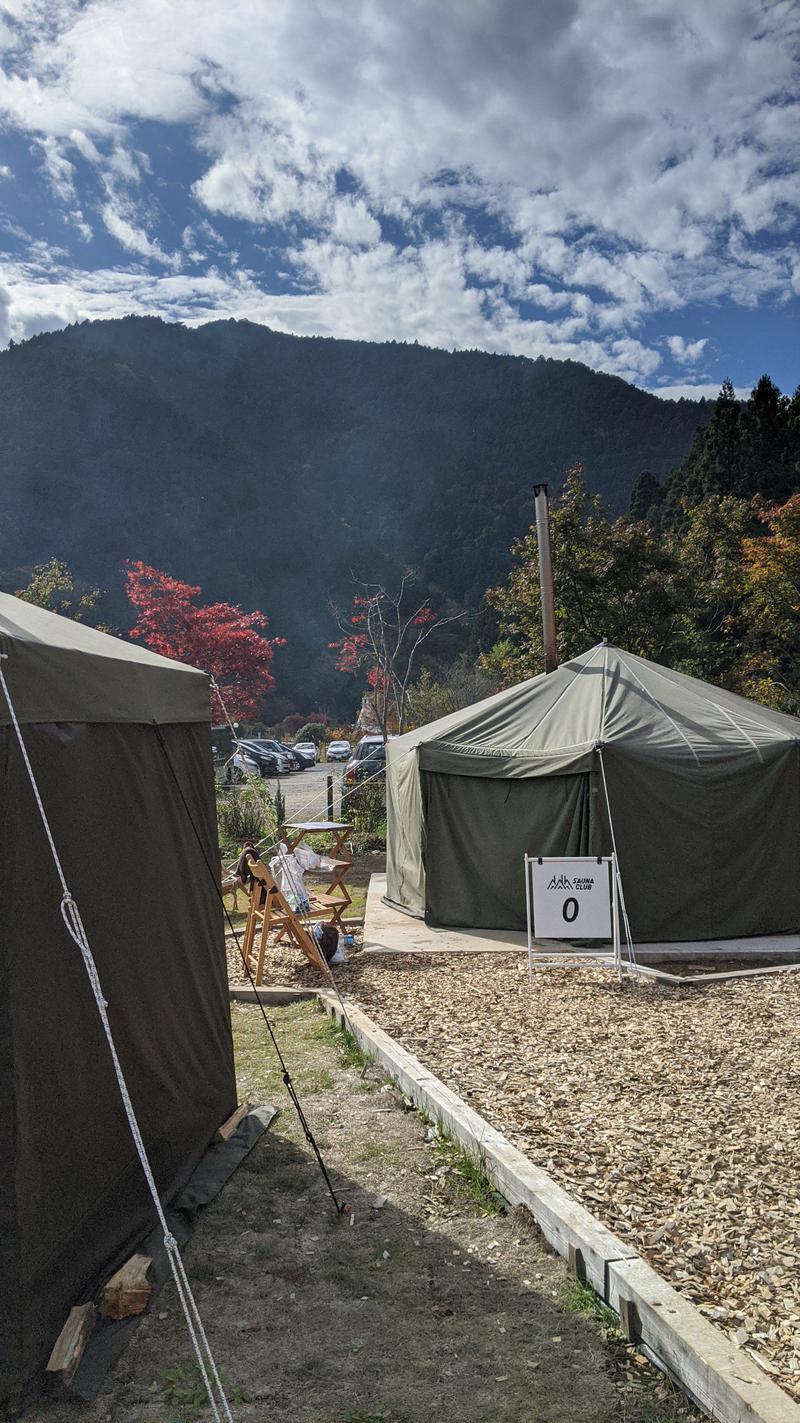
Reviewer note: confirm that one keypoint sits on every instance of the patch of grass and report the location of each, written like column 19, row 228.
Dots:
column 580, row 1298
column 360, row 1417
column 370, row 1151
column 187, row 1392
column 184, row 1391
column 345, row 1041
column 473, row 1174
column 316, row 1080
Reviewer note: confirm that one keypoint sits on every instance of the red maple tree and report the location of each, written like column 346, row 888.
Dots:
column 219, row 637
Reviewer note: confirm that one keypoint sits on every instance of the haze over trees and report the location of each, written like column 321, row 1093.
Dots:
column 268, row 468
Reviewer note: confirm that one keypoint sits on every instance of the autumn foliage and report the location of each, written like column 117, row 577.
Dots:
column 218, row 637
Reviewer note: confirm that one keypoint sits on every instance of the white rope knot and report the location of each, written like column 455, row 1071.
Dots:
column 170, row 1243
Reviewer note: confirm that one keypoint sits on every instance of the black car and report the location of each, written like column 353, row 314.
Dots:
column 368, row 759
column 264, row 757
column 306, row 762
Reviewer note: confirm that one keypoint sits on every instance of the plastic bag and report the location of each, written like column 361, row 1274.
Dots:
column 307, row 858
column 288, row 876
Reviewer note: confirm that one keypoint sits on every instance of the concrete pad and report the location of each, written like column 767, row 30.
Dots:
column 275, row 994
column 389, row 931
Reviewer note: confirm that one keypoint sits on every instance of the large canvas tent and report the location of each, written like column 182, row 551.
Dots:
column 73, row 1200
column 703, row 788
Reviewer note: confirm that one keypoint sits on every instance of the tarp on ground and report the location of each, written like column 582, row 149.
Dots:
column 109, row 756
column 703, row 788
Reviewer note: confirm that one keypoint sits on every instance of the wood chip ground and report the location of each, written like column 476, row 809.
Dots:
column 673, row 1114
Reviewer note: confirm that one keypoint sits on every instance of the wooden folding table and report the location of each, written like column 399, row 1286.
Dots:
column 337, row 833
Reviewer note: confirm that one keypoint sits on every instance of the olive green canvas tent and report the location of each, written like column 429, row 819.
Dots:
column 119, row 742
column 702, row 788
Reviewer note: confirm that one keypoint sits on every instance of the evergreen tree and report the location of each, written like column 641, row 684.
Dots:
column 745, row 450
column 713, row 463
column 647, row 498
column 765, row 456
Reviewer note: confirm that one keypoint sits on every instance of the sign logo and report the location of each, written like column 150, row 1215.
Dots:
column 571, row 898
column 561, row 883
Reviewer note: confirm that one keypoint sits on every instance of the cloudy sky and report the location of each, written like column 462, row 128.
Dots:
column 614, row 181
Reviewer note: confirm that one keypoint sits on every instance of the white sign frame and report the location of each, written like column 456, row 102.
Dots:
column 558, row 956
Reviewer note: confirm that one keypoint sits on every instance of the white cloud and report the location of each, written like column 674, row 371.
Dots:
column 686, row 353
column 630, row 159
column 709, row 391
column 118, row 220
column 354, row 224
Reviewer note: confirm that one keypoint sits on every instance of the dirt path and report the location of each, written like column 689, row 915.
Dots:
column 424, row 1304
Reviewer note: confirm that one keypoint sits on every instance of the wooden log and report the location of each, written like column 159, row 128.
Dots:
column 127, row 1292
column 71, row 1342
column 225, row 1132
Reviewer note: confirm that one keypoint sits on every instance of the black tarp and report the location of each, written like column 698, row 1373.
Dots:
column 73, row 1200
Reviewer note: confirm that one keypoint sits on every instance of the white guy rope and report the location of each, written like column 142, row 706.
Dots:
column 620, row 891
column 74, row 924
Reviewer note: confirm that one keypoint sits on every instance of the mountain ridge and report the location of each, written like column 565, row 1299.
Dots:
column 268, row 467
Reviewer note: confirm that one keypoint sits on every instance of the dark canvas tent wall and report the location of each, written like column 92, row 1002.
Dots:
column 704, row 790
column 72, row 1196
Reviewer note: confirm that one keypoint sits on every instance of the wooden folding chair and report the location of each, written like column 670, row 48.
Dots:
column 270, row 910
column 231, row 884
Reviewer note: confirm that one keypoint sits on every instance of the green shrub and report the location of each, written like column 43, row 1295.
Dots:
column 364, row 807
column 245, row 812
column 312, row 731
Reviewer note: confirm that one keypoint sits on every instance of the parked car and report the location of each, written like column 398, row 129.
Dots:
column 338, row 751
column 307, row 752
column 269, row 755
column 295, row 761
column 239, row 767
column 368, row 759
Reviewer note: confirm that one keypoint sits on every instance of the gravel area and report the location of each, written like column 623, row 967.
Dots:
column 673, row 1114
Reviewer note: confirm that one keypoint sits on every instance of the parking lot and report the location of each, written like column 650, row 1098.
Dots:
column 305, row 792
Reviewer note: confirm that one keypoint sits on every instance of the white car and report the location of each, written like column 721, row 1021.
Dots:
column 339, row 751
column 307, row 750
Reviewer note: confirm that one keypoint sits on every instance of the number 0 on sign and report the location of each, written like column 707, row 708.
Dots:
column 571, row 898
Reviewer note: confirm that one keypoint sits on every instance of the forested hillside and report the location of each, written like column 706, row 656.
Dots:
column 267, row 468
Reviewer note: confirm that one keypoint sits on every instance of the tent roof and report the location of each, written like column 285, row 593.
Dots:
column 554, row 722
column 59, row 670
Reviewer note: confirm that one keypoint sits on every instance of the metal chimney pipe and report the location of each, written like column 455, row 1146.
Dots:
column 546, row 583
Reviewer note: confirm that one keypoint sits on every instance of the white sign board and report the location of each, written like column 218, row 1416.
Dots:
column 571, row 898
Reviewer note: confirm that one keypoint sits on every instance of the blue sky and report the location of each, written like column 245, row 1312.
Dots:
column 615, row 183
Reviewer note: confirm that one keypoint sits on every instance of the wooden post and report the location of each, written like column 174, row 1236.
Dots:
column 629, row 1320
column 576, row 1262
column 330, row 798
column 546, row 585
